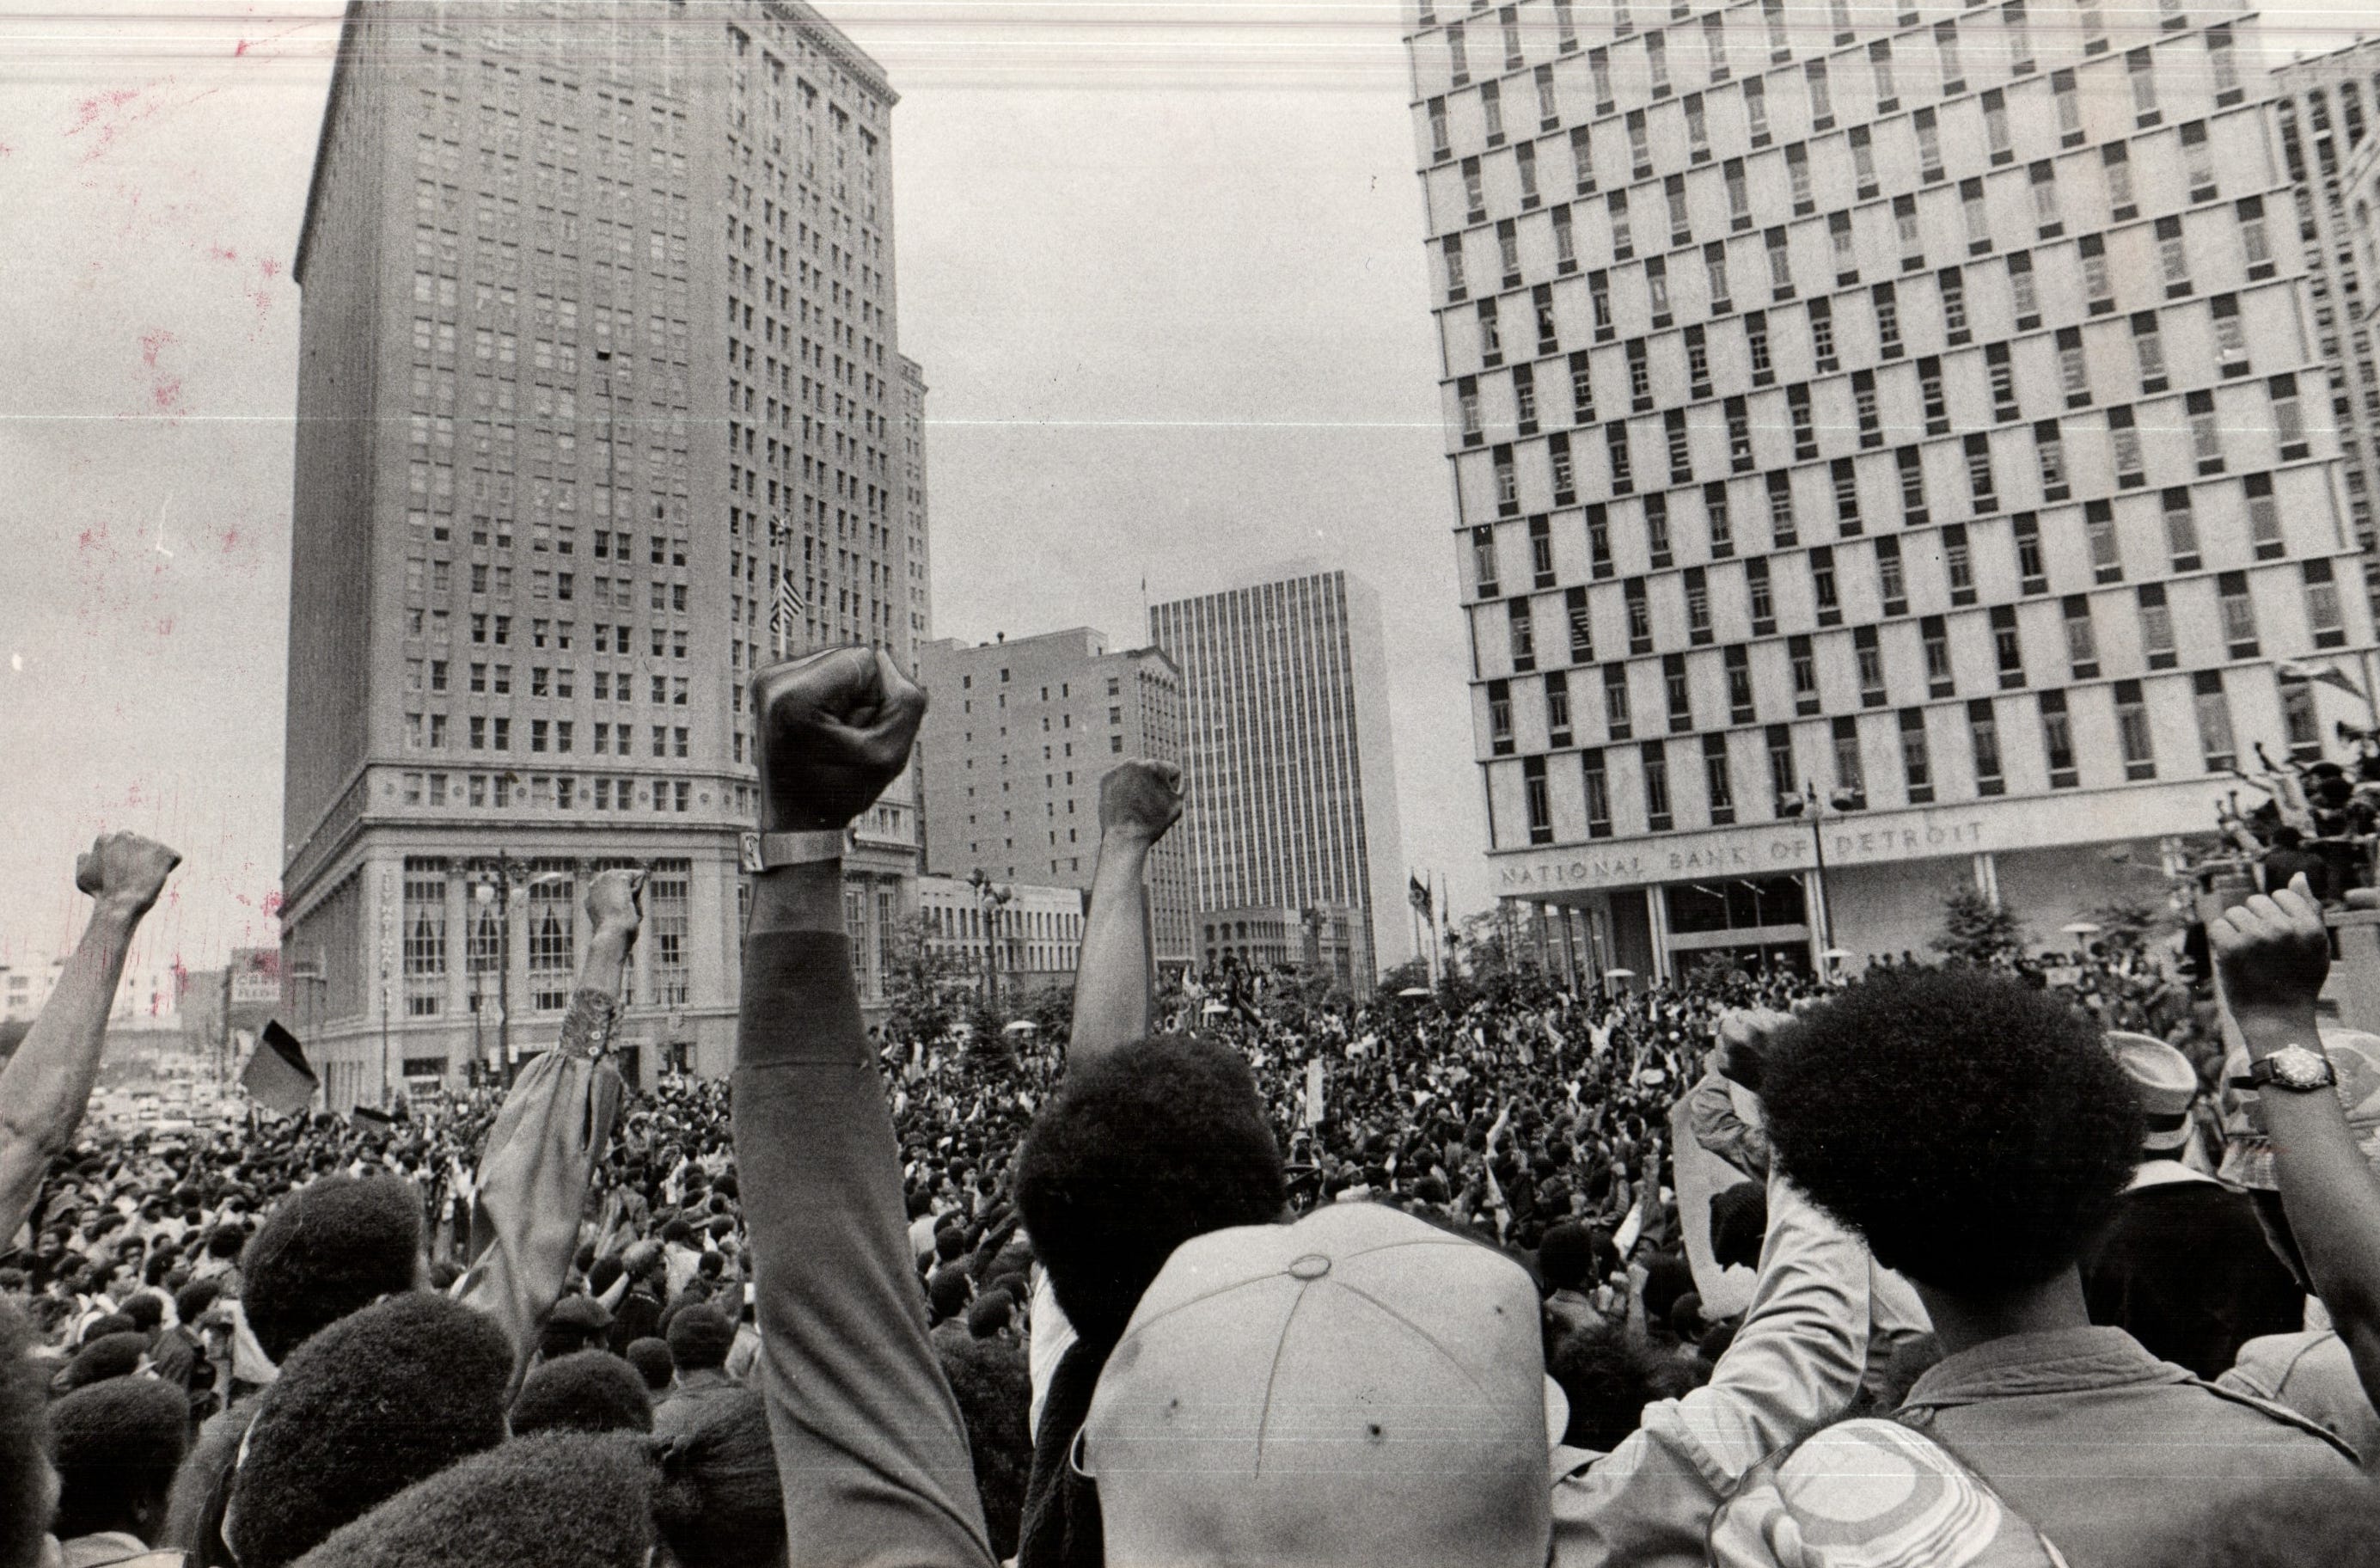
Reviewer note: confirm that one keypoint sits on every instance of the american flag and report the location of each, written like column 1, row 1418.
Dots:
column 789, row 607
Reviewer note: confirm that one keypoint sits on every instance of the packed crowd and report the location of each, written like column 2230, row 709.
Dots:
column 1397, row 1282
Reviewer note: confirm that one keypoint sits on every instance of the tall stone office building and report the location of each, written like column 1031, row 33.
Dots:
column 1291, row 816
column 601, row 406
column 1890, row 454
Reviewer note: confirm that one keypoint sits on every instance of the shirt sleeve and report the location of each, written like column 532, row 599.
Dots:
column 1053, row 1335
column 871, row 1450
column 1794, row 1363
column 533, row 1178
column 1717, row 1126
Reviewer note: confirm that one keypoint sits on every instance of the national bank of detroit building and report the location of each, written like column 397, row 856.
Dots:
column 1890, row 454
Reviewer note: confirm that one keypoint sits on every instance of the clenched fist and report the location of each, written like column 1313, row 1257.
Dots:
column 1140, row 799
column 2272, row 954
column 834, row 729
column 1745, row 1034
column 125, row 871
column 612, row 902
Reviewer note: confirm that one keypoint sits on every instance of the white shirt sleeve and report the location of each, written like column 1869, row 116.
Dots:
column 1053, row 1335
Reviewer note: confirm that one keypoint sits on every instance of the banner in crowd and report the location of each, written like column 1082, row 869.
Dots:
column 278, row 1076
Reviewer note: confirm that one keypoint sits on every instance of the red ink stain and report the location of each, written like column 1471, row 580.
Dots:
column 166, row 627
column 241, row 49
column 272, row 904
column 167, row 393
column 223, row 253
column 153, row 342
column 268, row 267
column 230, row 540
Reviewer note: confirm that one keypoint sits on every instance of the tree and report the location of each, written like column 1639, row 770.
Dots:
column 1414, row 973
column 919, row 980
column 1977, row 931
column 2127, row 927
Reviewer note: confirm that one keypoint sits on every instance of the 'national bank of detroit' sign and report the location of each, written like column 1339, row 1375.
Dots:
column 1862, row 838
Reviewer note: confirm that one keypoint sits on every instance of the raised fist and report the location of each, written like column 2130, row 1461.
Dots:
column 124, row 870
column 1743, row 1037
column 612, row 901
column 2272, row 954
column 834, row 729
column 1140, row 799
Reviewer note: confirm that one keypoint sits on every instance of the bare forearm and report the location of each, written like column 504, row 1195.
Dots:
column 2330, row 1195
column 48, row 1082
column 1114, row 983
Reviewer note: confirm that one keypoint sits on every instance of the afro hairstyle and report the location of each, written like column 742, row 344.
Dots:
column 1573, row 1257
column 720, row 1504
column 994, row 1388
column 1158, row 1141
column 1739, row 1224
column 334, row 1247
column 24, row 1442
column 1974, row 1130
column 593, row 1391
column 116, row 1445
column 108, row 1356
column 699, row 1337
column 376, row 1402
column 653, row 1362
column 1610, row 1376
column 558, row 1500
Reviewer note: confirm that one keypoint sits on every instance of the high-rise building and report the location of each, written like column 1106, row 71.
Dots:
column 1889, row 456
column 600, row 409
column 1289, row 762
column 2322, row 108
column 1015, row 745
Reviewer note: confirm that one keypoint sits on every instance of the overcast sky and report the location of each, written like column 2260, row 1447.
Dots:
column 1162, row 265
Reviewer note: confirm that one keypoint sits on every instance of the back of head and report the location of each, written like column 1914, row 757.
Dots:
column 1358, row 1387
column 1159, row 1141
column 651, row 1359
column 990, row 1314
column 1739, row 1224
column 116, row 1445
column 593, row 1391
column 193, row 1299
column 558, row 1500
column 111, row 1355
column 24, row 1443
column 1566, row 1257
column 1972, row 1129
column 948, row 1292
column 324, row 1449
column 699, row 1338
column 1609, row 1375
column 720, row 1504
column 146, row 1311
column 334, row 1247
column 994, row 1390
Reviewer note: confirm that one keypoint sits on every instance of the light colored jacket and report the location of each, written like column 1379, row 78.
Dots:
column 2312, row 1374
column 2101, row 1446
column 1795, row 1362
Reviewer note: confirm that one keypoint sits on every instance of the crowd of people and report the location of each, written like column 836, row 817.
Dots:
column 1671, row 1275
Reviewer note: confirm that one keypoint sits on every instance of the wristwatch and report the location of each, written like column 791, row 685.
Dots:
column 2295, row 1068
column 766, row 852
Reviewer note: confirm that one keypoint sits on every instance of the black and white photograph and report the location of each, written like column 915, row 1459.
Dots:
column 1153, row 784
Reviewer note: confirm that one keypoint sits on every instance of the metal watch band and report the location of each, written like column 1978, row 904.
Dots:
column 766, row 852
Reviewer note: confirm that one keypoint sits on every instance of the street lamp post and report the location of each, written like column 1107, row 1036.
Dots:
column 1808, row 806
column 990, row 898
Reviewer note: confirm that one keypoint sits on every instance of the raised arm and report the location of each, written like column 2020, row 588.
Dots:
column 1115, row 983
column 48, row 1082
column 540, row 1154
column 2271, row 955
column 871, row 1452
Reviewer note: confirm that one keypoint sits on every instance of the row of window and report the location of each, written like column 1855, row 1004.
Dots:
column 2119, row 444
column 1948, row 567
column 1646, row 782
column 1991, row 650
column 560, row 792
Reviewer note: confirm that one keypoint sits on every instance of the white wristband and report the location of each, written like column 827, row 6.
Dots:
column 766, row 852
